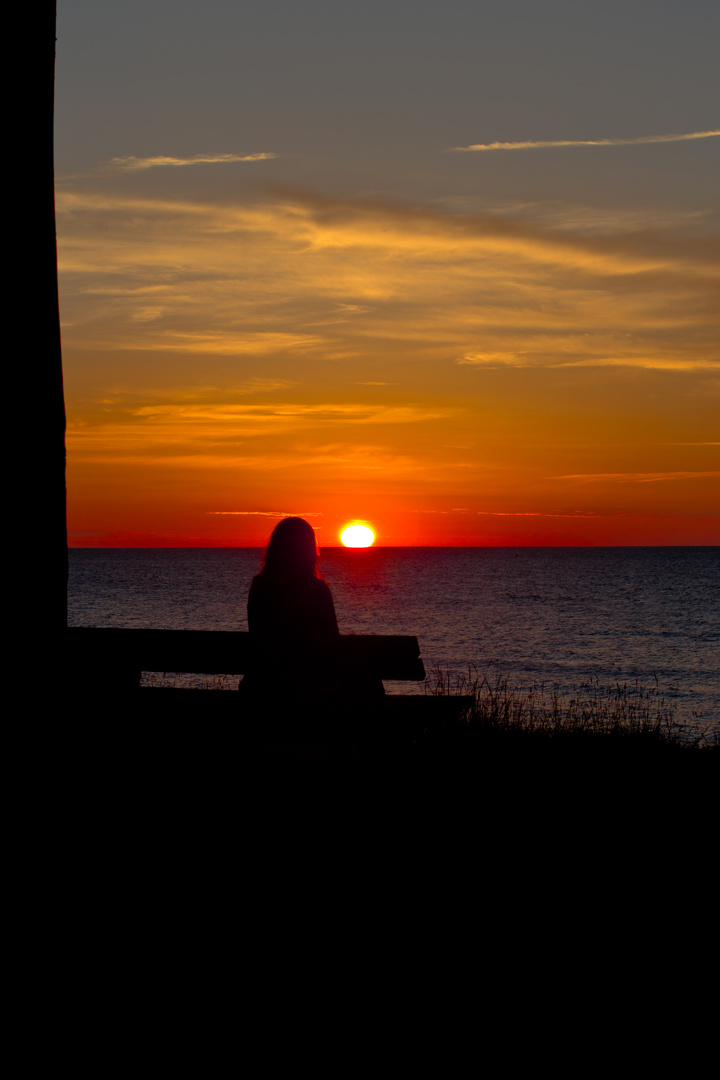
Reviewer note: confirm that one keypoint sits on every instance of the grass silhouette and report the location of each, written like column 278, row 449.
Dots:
column 614, row 720
column 622, row 715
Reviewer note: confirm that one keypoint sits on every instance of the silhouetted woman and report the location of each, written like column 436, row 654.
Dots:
column 293, row 628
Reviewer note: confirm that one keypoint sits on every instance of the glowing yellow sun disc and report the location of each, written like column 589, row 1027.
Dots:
column 357, row 536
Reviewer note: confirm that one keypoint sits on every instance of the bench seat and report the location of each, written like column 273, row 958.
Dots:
column 104, row 662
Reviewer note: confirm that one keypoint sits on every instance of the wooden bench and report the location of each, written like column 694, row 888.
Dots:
column 105, row 664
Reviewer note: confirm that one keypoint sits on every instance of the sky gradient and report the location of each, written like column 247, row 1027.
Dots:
column 448, row 269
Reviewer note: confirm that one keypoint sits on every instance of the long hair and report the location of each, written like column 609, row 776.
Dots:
column 292, row 551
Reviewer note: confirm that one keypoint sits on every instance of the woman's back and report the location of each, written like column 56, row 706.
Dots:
column 293, row 612
column 292, row 622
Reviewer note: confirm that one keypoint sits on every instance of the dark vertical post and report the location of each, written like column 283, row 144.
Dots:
column 45, row 494
column 57, row 612
column 34, row 571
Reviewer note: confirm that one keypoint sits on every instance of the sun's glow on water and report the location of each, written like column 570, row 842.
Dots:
column 357, row 536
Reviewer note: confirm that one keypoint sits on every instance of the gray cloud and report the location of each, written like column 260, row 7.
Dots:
column 544, row 144
column 130, row 164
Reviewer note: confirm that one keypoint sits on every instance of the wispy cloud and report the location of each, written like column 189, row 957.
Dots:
column 266, row 513
column 676, row 363
column 131, row 164
column 633, row 478
column 261, row 281
column 530, row 144
column 217, row 435
column 540, row 513
column 346, row 413
column 203, row 345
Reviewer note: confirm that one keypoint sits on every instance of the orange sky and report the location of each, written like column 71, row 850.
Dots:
column 468, row 357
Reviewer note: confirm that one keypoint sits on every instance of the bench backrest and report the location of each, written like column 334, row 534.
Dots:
column 100, row 651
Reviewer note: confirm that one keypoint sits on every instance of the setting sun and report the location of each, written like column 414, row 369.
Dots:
column 357, row 536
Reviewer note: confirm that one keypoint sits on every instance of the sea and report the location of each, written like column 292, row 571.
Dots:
column 556, row 617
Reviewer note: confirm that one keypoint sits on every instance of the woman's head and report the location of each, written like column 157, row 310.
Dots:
column 292, row 550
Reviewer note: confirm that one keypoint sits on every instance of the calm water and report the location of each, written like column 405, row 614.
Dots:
column 558, row 615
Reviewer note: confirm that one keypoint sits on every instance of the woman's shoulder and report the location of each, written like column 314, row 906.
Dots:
column 306, row 586
column 258, row 593
column 322, row 600
column 321, row 593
